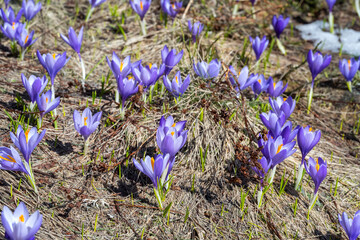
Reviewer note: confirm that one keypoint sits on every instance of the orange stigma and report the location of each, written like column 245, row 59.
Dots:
column 173, row 125
column 259, row 81
column 9, row 159
column 26, row 39
column 27, row 135
column 349, row 63
column 13, row 26
column 150, row 65
column 21, row 218
column 317, row 165
column 130, row 77
column 310, row 129
column 284, row 99
column 274, row 84
column 152, row 163
column 54, row 56
column 173, row 6
column 141, row 6
column 279, row 148
column 85, row 123
column 46, row 100
column 172, row 133
column 121, row 66
column 176, row 79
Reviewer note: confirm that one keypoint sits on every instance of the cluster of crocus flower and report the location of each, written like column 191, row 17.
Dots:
column 207, row 71
column 20, row 225
column 348, row 69
column 279, row 24
column 170, row 138
column 317, row 63
column 86, row 124
column 16, row 31
column 279, row 143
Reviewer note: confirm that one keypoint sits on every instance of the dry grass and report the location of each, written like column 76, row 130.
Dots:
column 76, row 189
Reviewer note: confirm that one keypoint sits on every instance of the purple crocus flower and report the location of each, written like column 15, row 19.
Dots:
column 171, row 9
column 46, row 104
column 27, row 141
column 147, row 76
column 52, row 63
column 126, row 87
column 266, row 165
column 121, row 67
column 307, row 139
column 10, row 160
column 276, row 89
column 273, row 122
column 317, row 63
column 154, row 167
column 195, row 29
column 95, row 3
column 253, row 2
column 279, row 24
column 177, row 87
column 9, row 15
column 140, row 7
column 317, row 171
column 288, row 133
column 351, row 226
column 277, row 151
column 207, row 70
column 86, row 123
column 348, row 68
column 171, row 139
column 23, row 38
column 74, row 41
column 10, row 30
column 261, row 85
column 259, row 46
column 242, row 80
column 331, row 4
column 6, row 3
column 30, row 9
column 170, row 58
column 283, row 105
column 19, row 225
column 34, row 85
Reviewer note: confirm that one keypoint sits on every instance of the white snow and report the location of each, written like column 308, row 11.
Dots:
column 318, row 31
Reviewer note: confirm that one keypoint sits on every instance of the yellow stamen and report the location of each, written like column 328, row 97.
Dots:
column 279, row 148
column 176, row 79
column 46, row 100
column 173, row 125
column 274, row 85
column 284, row 99
column 121, row 66
column 21, row 218
column 310, row 129
column 173, row 6
column 26, row 39
column 152, row 163
column 317, row 165
column 172, row 133
column 9, row 159
column 349, row 63
column 85, row 123
column 54, row 56
column 13, row 26
column 27, row 135
column 150, row 65
column 130, row 77
column 259, row 80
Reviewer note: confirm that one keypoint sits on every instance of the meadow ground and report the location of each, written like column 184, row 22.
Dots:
column 103, row 196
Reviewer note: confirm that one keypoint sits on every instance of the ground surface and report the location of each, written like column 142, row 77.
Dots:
column 105, row 189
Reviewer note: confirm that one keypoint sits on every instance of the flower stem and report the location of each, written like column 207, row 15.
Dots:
column 349, row 86
column 235, row 9
column 89, row 14
column 86, row 146
column 357, row 6
column 39, row 123
column 259, row 197
column 158, row 198
column 143, row 27
column 299, row 175
column 312, row 204
column 281, row 46
column 83, row 74
column 117, row 96
column 310, row 96
column 253, row 12
column 271, row 175
column 22, row 55
column 331, row 22
column 52, row 98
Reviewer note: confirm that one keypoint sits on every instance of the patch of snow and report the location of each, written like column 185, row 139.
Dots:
column 318, row 31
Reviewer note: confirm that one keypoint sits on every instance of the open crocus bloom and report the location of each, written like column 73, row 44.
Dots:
column 351, row 226
column 277, row 151
column 317, row 63
column 10, row 30
column 261, row 85
column 317, row 169
column 9, row 15
column 86, row 123
column 307, row 139
column 242, row 80
column 52, row 63
column 283, row 105
column 154, row 167
column 34, row 85
column 276, row 89
column 273, row 122
column 30, row 9
column 170, row 58
column 207, row 70
column 10, row 160
column 176, row 87
column 140, row 7
column 19, row 225
column 26, row 141
column 46, row 104
column 23, row 38
column 171, row 9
